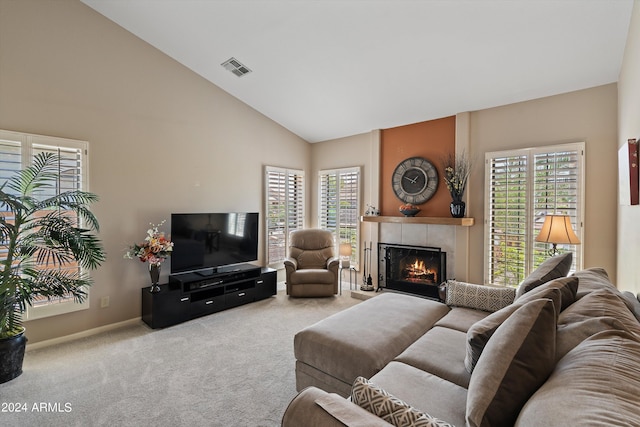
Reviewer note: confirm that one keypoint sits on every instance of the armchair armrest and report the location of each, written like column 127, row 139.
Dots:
column 333, row 263
column 290, row 264
column 313, row 407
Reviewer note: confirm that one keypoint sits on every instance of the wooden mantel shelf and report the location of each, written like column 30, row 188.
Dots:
column 465, row 222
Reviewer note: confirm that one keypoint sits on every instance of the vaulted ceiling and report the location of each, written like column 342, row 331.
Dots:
column 326, row 69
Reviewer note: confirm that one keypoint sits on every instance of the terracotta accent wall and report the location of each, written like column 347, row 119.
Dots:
column 433, row 140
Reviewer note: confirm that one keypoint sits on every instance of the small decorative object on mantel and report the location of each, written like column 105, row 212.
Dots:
column 372, row 211
column 456, row 172
column 154, row 250
column 409, row 210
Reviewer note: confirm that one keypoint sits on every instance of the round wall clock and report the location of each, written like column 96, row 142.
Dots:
column 415, row 180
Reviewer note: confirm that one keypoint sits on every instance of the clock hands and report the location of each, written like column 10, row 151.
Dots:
column 413, row 181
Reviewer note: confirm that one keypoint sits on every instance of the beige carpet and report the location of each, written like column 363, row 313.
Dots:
column 233, row 368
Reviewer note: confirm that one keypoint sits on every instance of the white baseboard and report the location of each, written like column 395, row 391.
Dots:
column 83, row 334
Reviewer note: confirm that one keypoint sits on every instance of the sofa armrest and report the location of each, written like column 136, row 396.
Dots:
column 313, row 407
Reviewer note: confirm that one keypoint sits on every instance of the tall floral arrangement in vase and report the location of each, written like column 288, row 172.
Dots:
column 456, row 173
column 155, row 248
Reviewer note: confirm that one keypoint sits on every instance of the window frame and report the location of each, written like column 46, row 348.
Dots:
column 27, row 142
column 299, row 212
column 323, row 221
column 533, row 251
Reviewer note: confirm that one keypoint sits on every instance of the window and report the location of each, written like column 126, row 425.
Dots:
column 16, row 152
column 523, row 186
column 339, row 206
column 284, row 211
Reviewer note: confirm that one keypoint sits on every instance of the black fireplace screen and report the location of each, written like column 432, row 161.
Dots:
column 415, row 269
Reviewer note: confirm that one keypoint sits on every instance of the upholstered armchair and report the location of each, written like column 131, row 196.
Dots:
column 311, row 268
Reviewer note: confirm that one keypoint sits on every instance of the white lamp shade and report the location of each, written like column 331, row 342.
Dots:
column 557, row 229
column 345, row 250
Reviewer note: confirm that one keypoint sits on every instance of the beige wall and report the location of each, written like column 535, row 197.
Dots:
column 162, row 139
column 588, row 115
column 358, row 150
column 629, row 126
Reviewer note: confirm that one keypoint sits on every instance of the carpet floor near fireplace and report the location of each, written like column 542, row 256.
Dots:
column 233, row 368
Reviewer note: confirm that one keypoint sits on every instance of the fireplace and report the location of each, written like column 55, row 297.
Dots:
column 414, row 269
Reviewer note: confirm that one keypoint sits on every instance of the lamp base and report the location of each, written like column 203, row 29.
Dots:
column 554, row 250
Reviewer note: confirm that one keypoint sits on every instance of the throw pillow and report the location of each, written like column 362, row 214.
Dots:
column 479, row 297
column 369, row 396
column 565, row 287
column 514, row 364
column 479, row 333
column 554, row 267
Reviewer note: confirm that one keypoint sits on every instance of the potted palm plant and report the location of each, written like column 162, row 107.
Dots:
column 40, row 232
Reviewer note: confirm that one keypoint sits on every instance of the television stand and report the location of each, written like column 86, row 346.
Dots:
column 191, row 295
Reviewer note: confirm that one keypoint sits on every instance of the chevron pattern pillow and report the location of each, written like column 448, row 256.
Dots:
column 479, row 297
column 369, row 396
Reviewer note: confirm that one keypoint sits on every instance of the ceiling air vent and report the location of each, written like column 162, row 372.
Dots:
column 233, row 65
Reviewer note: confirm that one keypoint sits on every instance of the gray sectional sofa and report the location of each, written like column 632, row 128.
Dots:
column 558, row 351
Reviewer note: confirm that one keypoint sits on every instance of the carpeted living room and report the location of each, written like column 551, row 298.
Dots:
column 200, row 136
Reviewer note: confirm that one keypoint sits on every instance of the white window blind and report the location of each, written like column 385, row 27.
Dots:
column 17, row 151
column 339, row 206
column 285, row 210
column 522, row 186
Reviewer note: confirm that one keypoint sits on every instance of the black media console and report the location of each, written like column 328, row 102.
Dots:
column 192, row 295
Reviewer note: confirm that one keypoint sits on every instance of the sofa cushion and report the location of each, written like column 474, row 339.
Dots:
column 514, row 364
column 592, row 279
column 567, row 287
column 552, row 268
column 461, row 318
column 424, row 391
column 570, row 334
column 393, row 322
column 441, row 352
column 596, row 383
column 369, row 396
column 633, row 303
column 602, row 303
column 479, row 297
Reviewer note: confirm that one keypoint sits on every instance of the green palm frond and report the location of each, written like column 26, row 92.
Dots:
column 38, row 231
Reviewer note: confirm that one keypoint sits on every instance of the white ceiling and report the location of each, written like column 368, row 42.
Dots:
column 326, row 69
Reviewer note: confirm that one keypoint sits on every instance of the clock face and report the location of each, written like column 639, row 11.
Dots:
column 415, row 180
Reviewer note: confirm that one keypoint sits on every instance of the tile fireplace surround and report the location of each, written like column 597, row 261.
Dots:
column 439, row 236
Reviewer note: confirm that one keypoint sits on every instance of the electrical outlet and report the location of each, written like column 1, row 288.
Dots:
column 104, row 302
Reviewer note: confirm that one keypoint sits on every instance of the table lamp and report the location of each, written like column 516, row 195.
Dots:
column 345, row 255
column 556, row 230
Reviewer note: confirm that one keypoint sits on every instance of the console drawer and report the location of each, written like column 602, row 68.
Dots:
column 206, row 306
column 236, row 298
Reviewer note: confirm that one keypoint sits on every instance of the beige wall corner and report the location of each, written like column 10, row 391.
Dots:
column 628, row 232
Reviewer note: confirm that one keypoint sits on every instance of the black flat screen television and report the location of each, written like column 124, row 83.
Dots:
column 205, row 241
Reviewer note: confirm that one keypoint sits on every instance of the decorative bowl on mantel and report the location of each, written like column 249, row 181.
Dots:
column 409, row 210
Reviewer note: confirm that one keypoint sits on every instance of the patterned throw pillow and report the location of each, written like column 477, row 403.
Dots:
column 388, row 407
column 479, row 297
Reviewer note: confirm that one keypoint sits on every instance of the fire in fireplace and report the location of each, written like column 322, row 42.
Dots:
column 414, row 269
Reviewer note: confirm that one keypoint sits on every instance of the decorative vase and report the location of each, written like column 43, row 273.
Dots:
column 457, row 208
column 11, row 356
column 154, row 272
